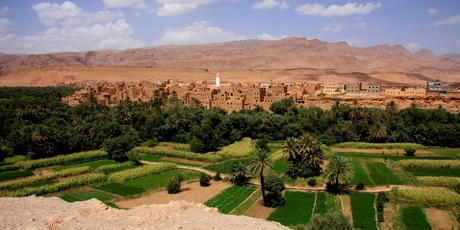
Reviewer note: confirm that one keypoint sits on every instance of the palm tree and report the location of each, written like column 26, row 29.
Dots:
column 239, row 174
column 261, row 164
column 290, row 148
column 378, row 131
column 391, row 109
column 91, row 99
column 339, row 169
column 336, row 110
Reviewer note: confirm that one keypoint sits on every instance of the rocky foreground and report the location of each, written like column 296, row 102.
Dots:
column 54, row 213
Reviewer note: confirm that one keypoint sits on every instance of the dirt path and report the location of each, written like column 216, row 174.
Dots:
column 191, row 192
column 346, row 207
column 258, row 210
column 440, row 219
column 389, row 214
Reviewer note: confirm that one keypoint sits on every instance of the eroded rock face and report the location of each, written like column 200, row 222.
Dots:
column 54, row 213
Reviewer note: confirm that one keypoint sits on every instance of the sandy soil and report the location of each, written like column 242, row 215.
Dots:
column 389, row 214
column 389, row 152
column 258, row 210
column 346, row 207
column 191, row 192
column 440, row 219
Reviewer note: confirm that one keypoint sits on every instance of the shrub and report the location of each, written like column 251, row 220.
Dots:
column 359, row 186
column 380, row 204
column 274, row 183
column 197, row 146
column 173, row 186
column 204, row 179
column 330, row 220
column 13, row 160
column 217, row 177
column 118, row 147
column 410, row 151
column 150, row 143
column 456, row 189
column 274, row 200
column 311, row 182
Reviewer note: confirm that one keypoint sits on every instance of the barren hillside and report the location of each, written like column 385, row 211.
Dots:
column 291, row 59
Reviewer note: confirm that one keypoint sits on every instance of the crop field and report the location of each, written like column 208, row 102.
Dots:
column 427, row 195
column 152, row 158
column 91, row 164
column 120, row 189
column 381, row 174
column 297, row 210
column 158, row 181
column 175, row 146
column 281, row 167
column 10, row 175
column 433, row 172
column 362, row 206
column 228, row 199
column 366, row 145
column 244, row 207
column 414, row 218
column 431, row 181
column 226, row 166
column 320, row 204
column 86, row 195
column 360, row 175
column 239, row 149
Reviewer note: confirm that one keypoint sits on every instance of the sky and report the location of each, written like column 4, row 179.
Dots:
column 36, row 27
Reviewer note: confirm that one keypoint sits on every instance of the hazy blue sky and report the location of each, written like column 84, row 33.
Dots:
column 31, row 26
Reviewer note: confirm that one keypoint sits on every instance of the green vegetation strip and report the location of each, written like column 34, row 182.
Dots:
column 178, row 154
column 86, row 195
column 281, row 166
column 158, row 181
column 176, row 146
column 244, row 207
column 359, row 174
column 387, row 174
column 362, row 206
column 142, row 171
column 32, row 180
column 297, row 210
column 449, row 182
column 365, row 145
column 414, row 218
column 433, row 164
column 433, row 172
column 61, row 159
column 228, row 199
column 9, row 175
column 239, row 149
column 427, row 195
column 277, row 156
column 320, row 205
column 91, row 164
column 120, row 189
column 63, row 185
column 110, row 168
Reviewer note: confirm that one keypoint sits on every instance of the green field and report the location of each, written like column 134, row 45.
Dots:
column 120, row 189
column 244, row 207
column 374, row 173
column 433, row 172
column 91, row 164
column 360, row 175
column 226, row 166
column 153, row 158
column 158, row 181
column 10, row 175
column 362, row 206
column 414, row 218
column 228, row 199
column 86, row 195
column 297, row 210
column 320, row 204
column 281, row 167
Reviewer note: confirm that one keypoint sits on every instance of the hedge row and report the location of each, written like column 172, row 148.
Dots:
column 104, row 168
column 365, row 145
column 61, row 159
column 178, row 154
column 63, row 185
column 432, row 164
column 142, row 171
column 428, row 195
column 439, row 181
column 32, row 180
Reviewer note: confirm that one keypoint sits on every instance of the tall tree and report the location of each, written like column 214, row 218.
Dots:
column 339, row 169
column 378, row 132
column 91, row 99
column 391, row 108
column 261, row 164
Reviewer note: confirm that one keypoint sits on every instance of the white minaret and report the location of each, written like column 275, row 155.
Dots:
column 217, row 80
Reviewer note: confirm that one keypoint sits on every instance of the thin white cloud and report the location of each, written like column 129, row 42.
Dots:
column 265, row 5
column 178, row 7
column 197, row 33
column 4, row 10
column 70, row 14
column 266, row 36
column 125, row 3
column 171, row 9
column 334, row 28
column 413, row 46
column 284, row 5
column 109, row 36
column 361, row 24
column 4, row 24
column 433, row 11
column 337, row 10
column 448, row 21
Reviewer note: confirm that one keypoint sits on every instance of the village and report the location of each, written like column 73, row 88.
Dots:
column 232, row 96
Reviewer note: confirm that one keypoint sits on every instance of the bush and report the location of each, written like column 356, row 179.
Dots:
column 410, row 151
column 118, row 147
column 204, row 179
column 311, row 182
column 274, row 183
column 13, row 160
column 197, row 146
column 274, row 200
column 330, row 220
column 150, row 143
column 359, row 186
column 173, row 186
column 217, row 177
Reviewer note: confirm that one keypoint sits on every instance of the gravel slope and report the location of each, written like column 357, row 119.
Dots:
column 54, row 213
